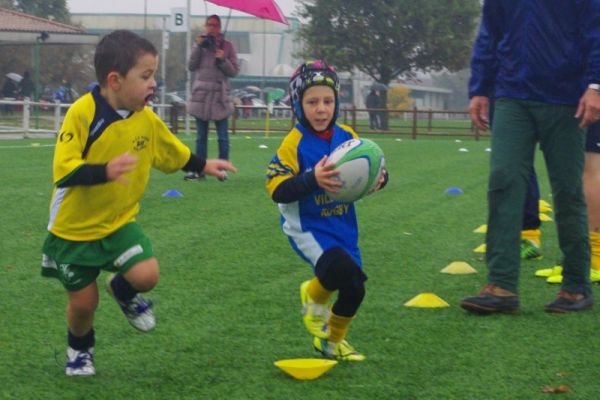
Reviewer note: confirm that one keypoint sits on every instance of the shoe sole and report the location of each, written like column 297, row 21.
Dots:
column 81, row 374
column 329, row 357
column 557, row 310
column 477, row 309
column 563, row 311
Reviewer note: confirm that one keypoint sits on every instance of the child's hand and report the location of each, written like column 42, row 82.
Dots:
column 219, row 168
column 119, row 166
column 381, row 182
column 325, row 174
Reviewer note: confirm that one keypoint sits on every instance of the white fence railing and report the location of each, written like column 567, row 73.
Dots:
column 27, row 118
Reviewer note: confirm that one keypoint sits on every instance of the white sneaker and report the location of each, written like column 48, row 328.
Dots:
column 80, row 363
column 138, row 311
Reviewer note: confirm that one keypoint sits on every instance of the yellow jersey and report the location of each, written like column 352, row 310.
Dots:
column 94, row 133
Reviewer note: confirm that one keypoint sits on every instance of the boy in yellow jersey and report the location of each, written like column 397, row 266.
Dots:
column 107, row 145
column 297, row 178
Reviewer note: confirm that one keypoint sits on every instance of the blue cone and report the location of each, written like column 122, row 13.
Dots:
column 172, row 193
column 454, row 190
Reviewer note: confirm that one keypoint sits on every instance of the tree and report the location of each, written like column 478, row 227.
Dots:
column 399, row 98
column 387, row 39
column 55, row 10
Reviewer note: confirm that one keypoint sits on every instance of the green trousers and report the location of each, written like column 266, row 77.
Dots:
column 517, row 128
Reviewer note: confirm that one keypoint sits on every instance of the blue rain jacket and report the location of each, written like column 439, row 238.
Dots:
column 544, row 50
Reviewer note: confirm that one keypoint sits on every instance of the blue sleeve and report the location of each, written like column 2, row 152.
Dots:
column 590, row 13
column 483, row 61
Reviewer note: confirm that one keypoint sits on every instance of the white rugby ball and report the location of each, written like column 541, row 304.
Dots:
column 359, row 162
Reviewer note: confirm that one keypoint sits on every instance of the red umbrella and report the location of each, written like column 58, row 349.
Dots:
column 265, row 9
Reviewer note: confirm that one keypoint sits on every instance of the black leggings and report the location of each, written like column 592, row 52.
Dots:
column 336, row 270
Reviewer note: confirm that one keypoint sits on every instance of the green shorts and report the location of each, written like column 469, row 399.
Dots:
column 77, row 264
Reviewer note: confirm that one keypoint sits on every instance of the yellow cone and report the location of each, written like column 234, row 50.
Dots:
column 458, row 268
column 426, row 300
column 544, row 217
column 480, row 248
column 481, row 229
column 544, row 203
column 305, row 368
column 544, row 209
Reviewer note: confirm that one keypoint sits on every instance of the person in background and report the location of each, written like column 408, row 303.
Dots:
column 538, row 98
column 591, row 185
column 373, row 102
column 213, row 61
column 26, row 86
column 9, row 90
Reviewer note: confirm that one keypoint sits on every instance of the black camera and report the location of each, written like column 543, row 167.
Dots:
column 209, row 42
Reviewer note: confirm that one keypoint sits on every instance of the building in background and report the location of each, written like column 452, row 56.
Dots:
column 265, row 50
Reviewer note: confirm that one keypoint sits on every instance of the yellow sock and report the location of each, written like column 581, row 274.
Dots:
column 595, row 250
column 317, row 292
column 338, row 326
column 535, row 235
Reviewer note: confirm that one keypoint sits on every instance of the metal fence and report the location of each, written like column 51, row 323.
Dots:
column 25, row 119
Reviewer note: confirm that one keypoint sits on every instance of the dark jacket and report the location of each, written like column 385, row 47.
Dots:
column 26, row 87
column 373, row 101
column 544, row 50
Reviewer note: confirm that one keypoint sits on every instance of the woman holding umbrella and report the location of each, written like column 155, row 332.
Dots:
column 214, row 61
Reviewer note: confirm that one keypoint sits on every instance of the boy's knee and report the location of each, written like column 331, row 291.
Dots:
column 349, row 300
column 146, row 283
column 336, row 269
column 144, row 275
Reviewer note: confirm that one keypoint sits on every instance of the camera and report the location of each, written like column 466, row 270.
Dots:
column 209, row 42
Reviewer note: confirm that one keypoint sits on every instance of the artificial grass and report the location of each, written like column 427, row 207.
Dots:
column 227, row 304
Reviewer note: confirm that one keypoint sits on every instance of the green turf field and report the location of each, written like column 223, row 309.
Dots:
column 227, row 305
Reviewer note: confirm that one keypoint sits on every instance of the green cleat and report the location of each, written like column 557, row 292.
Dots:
column 557, row 278
column 530, row 250
column 341, row 351
column 547, row 272
column 314, row 315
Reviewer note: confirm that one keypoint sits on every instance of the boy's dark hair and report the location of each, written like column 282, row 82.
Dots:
column 119, row 51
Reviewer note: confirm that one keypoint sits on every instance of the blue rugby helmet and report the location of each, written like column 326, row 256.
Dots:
column 313, row 73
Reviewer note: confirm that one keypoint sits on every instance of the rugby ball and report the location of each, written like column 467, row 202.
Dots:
column 359, row 162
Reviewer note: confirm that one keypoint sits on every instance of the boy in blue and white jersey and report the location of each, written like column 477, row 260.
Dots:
column 322, row 231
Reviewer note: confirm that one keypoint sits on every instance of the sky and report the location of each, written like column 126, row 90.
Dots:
column 158, row 6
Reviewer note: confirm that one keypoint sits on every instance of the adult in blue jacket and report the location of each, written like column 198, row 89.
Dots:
column 540, row 60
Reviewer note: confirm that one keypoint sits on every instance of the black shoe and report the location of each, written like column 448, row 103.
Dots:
column 567, row 302
column 491, row 299
column 192, row 176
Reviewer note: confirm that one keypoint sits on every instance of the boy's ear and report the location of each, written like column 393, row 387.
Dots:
column 113, row 80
